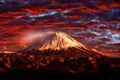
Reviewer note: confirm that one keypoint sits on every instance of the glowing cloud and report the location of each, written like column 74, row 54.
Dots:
column 31, row 37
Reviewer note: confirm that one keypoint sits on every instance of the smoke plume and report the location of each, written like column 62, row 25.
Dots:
column 31, row 37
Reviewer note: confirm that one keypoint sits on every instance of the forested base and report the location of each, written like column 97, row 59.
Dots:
column 72, row 64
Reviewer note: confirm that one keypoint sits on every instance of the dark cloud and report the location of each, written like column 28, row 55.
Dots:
column 14, row 5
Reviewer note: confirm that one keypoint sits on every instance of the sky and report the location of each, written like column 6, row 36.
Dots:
column 94, row 23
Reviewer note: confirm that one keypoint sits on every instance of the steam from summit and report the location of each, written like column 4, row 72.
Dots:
column 56, row 41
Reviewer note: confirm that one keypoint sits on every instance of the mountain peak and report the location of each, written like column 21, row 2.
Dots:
column 56, row 41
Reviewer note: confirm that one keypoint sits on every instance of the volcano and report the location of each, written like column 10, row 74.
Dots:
column 58, row 52
column 56, row 41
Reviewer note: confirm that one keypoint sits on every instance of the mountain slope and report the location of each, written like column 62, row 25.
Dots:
column 56, row 41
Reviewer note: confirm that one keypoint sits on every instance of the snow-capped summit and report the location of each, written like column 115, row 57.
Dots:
column 56, row 41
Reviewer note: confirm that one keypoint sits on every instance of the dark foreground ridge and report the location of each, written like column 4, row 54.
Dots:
column 70, row 64
column 57, row 75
